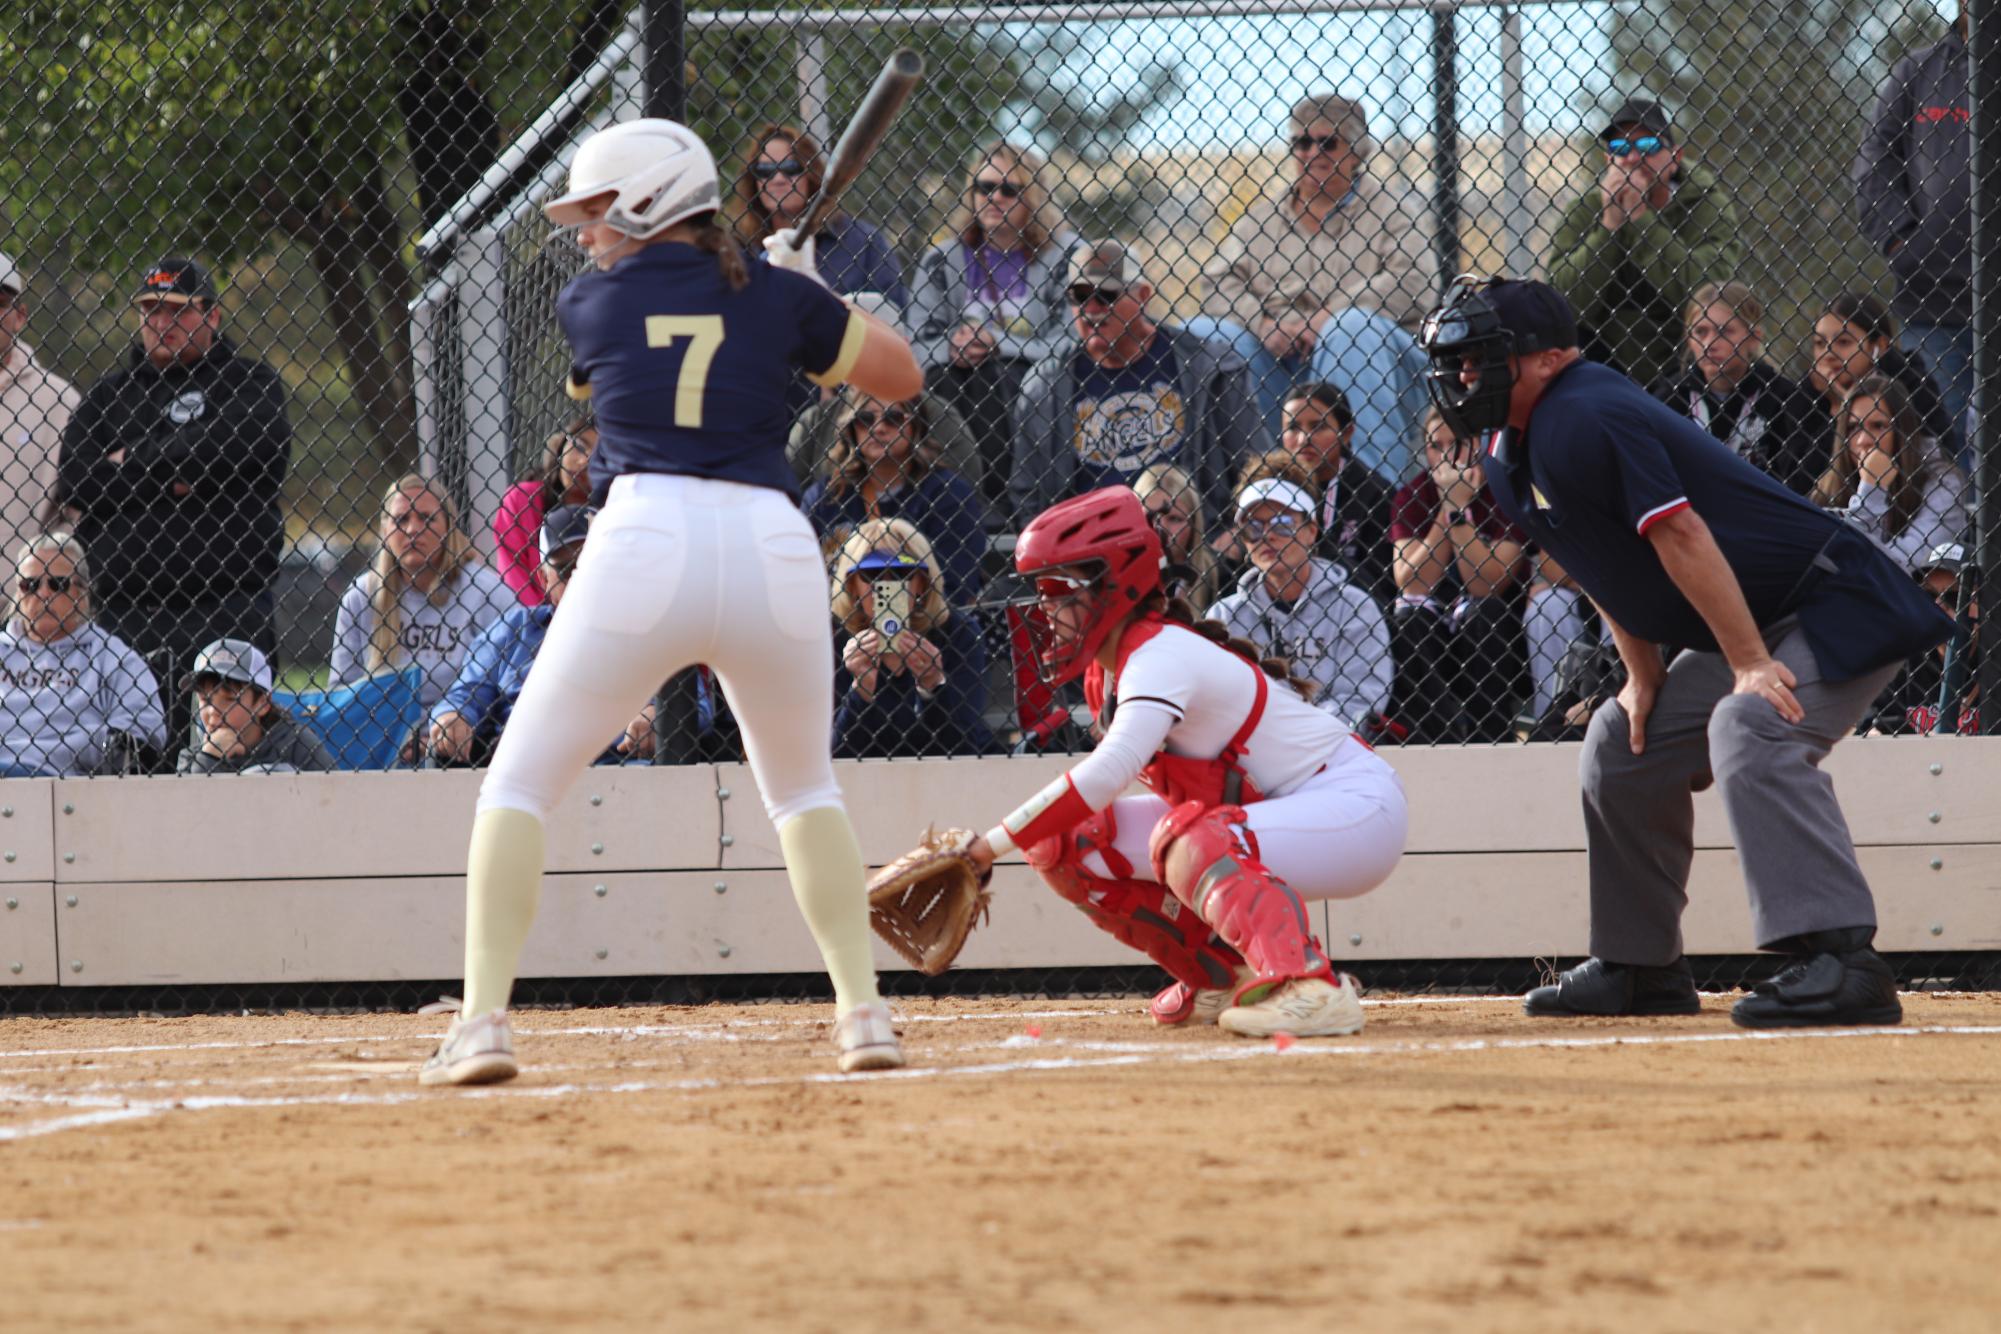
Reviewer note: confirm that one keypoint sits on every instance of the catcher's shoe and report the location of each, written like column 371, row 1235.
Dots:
column 867, row 1039
column 479, row 1050
column 1305, row 1007
column 1182, row 1004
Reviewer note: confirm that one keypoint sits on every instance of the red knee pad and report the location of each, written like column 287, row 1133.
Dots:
column 1208, row 859
column 1142, row 915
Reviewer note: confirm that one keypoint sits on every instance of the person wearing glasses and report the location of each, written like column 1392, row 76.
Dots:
column 1326, row 280
column 1889, row 477
column 987, row 302
column 172, row 468
column 882, row 468
column 466, row 722
column 243, row 730
column 1631, row 252
column 1294, row 605
column 1128, row 394
column 561, row 478
column 422, row 601
column 74, row 697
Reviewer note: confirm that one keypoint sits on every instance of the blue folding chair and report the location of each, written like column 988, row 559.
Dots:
column 364, row 724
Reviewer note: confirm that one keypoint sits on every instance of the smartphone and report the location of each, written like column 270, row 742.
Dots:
column 892, row 608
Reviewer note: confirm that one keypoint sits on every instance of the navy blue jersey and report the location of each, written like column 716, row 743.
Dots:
column 689, row 377
column 1602, row 461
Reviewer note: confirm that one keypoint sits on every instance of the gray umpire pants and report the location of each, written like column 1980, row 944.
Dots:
column 1639, row 810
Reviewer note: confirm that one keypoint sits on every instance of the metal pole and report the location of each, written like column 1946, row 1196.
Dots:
column 666, row 59
column 1445, row 136
column 1985, row 87
column 1516, row 224
column 486, row 469
column 811, row 70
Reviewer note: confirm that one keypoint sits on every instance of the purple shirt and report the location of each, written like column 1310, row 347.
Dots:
column 996, row 281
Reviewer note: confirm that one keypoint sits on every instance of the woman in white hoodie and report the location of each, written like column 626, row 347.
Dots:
column 1890, row 478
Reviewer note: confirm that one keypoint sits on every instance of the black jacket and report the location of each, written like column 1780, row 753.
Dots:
column 1772, row 423
column 1913, row 180
column 217, row 431
column 1358, row 538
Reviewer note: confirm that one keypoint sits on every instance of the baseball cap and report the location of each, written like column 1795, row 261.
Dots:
column 1643, row 112
column 1947, row 556
column 879, row 562
column 1539, row 316
column 231, row 660
column 565, row 525
column 1276, row 490
column 176, row 281
column 1104, row 263
column 10, row 273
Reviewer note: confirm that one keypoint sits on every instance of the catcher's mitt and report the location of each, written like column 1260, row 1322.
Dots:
column 926, row 902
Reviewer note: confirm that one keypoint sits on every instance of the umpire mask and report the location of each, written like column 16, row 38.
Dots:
column 1465, row 335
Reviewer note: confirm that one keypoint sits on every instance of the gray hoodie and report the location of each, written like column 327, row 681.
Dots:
column 285, row 748
column 1914, row 183
column 1334, row 634
column 59, row 701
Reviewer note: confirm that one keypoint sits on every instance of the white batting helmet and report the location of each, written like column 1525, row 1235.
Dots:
column 658, row 173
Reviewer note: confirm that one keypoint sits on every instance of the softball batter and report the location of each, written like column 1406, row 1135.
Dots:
column 1259, row 800
column 699, row 555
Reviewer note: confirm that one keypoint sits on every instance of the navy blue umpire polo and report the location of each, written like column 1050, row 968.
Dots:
column 1601, row 461
column 687, row 376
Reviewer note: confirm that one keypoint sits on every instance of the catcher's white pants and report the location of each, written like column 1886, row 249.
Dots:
column 678, row 571
column 1338, row 834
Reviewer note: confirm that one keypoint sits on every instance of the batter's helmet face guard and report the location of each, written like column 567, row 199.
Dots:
column 1465, row 336
column 1094, row 560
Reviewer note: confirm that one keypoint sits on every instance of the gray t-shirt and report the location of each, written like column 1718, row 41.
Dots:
column 58, row 702
column 435, row 635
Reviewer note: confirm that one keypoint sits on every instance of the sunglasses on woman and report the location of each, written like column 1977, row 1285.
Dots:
column 791, row 166
column 1325, row 143
column 990, row 188
column 30, row 584
column 1284, row 525
column 865, row 419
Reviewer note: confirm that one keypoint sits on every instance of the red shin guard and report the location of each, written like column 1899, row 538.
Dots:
column 1208, row 858
column 1142, row 915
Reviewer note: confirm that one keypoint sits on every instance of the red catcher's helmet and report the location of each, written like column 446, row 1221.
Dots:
column 1097, row 552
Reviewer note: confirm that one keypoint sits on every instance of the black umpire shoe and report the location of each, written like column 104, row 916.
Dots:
column 1835, row 979
column 1599, row 987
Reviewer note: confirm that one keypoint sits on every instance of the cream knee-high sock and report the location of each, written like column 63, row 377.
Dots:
column 503, row 885
column 825, row 863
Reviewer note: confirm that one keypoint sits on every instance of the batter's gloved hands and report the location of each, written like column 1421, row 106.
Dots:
column 789, row 250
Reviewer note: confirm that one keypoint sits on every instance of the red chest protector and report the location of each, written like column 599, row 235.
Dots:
column 1181, row 778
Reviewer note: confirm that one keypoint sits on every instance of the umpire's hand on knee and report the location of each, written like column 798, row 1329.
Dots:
column 1636, row 697
column 1774, row 680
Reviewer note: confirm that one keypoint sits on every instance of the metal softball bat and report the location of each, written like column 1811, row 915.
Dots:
column 864, row 134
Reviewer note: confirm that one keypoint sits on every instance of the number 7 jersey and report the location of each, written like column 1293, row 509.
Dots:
column 689, row 377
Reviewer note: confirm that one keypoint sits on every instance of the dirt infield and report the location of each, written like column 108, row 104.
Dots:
column 1044, row 1166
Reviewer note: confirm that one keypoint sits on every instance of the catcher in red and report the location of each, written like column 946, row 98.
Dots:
column 1257, row 800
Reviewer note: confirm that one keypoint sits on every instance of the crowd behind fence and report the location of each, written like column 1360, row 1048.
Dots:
column 291, row 482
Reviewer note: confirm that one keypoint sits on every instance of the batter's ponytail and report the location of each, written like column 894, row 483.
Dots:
column 1176, row 611
column 711, row 236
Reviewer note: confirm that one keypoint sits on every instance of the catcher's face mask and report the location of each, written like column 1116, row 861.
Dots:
column 1067, row 619
column 1472, row 372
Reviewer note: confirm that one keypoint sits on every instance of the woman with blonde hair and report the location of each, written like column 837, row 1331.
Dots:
column 424, row 598
column 913, row 675
column 1174, row 508
column 1889, row 477
column 988, row 300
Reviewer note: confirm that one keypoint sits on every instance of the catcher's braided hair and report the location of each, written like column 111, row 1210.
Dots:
column 1178, row 612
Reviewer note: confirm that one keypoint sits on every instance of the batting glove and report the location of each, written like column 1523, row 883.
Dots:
column 788, row 250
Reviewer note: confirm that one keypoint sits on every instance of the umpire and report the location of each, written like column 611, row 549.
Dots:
column 1791, row 623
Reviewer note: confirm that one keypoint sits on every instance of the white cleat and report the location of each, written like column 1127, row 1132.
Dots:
column 1180, row 1004
column 1306, row 1007
column 479, row 1050
column 867, row 1039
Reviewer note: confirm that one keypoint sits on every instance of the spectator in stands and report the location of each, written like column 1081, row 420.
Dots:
column 987, row 302
column 1354, row 517
column 912, row 677
column 423, row 600
column 882, row 467
column 173, row 468
column 1457, row 627
column 1854, row 337
column 242, row 730
column 1913, row 179
column 562, row 477
column 468, row 718
column 1327, row 280
column 74, row 698
column 1294, row 605
column 35, row 405
column 1939, row 692
column 1174, row 508
column 1630, row 253
column 782, row 171
column 1557, row 621
column 1130, row 394
column 1732, row 392
column 1890, row 477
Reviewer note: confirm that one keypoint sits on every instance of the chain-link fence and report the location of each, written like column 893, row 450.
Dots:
column 283, row 391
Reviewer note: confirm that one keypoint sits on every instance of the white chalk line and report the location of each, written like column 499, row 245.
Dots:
column 1112, row 1055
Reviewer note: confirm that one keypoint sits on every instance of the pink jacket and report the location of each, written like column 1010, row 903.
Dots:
column 517, row 538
